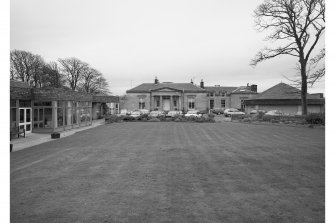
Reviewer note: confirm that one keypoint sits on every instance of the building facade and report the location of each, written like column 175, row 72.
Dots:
column 167, row 96
column 43, row 110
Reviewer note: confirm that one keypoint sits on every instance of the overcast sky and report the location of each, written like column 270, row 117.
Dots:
column 132, row 41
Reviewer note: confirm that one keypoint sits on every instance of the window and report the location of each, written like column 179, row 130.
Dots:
column 141, row 104
column 13, row 117
column 39, row 110
column 48, row 118
column 13, row 113
column 60, row 103
column 211, row 104
column 74, row 115
column 60, row 117
column 223, row 103
column 211, row 94
column 175, row 102
column 157, row 102
column 242, row 105
column 24, row 104
column 190, row 102
column 42, row 103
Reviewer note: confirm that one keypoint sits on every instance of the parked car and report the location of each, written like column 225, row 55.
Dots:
column 135, row 114
column 232, row 111
column 156, row 113
column 123, row 112
column 274, row 113
column 257, row 111
column 193, row 113
column 173, row 113
column 217, row 111
column 144, row 111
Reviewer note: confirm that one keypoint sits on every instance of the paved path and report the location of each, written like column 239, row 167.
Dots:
column 33, row 139
column 172, row 172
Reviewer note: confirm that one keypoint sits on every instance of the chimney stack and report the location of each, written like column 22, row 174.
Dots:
column 202, row 84
column 156, row 80
column 253, row 88
column 191, row 81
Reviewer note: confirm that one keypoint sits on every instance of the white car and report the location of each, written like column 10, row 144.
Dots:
column 174, row 113
column 274, row 113
column 156, row 113
column 257, row 111
column 232, row 111
column 135, row 114
column 123, row 112
column 193, row 113
column 144, row 111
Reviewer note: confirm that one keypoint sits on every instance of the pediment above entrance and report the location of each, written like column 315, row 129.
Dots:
column 166, row 89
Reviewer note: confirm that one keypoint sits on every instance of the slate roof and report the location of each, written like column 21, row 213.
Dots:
column 19, row 84
column 146, row 87
column 21, row 90
column 282, row 91
column 220, row 89
column 243, row 90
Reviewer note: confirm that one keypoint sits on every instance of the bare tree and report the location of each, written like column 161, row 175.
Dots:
column 93, row 82
column 298, row 23
column 21, row 65
column 73, row 70
column 37, row 74
column 102, row 86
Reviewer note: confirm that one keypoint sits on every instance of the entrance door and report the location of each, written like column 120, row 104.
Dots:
column 166, row 105
column 25, row 119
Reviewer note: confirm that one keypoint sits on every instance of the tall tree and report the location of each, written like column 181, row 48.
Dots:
column 52, row 76
column 73, row 70
column 93, row 82
column 298, row 23
column 21, row 65
column 37, row 74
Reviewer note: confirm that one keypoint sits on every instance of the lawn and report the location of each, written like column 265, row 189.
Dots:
column 172, row 172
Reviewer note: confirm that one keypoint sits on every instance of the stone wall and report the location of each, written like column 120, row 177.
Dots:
column 235, row 99
column 132, row 100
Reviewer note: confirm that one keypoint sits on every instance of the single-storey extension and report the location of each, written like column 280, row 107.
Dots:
column 48, row 109
column 286, row 99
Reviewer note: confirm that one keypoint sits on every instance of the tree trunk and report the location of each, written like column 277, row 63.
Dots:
column 303, row 88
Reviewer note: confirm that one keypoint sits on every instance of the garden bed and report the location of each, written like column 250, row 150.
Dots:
column 146, row 118
column 309, row 120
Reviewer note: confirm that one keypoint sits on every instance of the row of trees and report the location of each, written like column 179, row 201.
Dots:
column 68, row 72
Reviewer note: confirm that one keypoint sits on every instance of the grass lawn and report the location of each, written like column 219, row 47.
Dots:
column 172, row 172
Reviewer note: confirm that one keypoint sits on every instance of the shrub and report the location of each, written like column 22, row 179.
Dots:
column 128, row 118
column 211, row 116
column 315, row 118
column 112, row 118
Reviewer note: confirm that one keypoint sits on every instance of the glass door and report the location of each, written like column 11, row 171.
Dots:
column 25, row 119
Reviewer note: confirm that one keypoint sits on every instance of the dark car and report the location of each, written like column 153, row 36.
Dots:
column 217, row 111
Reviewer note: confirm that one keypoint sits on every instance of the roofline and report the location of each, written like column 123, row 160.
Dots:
column 313, row 101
